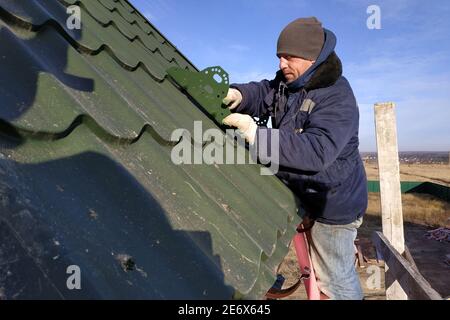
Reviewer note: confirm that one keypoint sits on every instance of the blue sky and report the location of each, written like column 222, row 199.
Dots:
column 407, row 61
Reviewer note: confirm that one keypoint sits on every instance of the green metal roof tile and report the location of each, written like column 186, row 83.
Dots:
column 130, row 53
column 137, row 27
column 130, row 30
column 97, row 9
column 111, row 5
column 145, row 25
column 30, row 12
column 44, row 69
column 131, row 17
column 127, row 6
column 146, row 161
column 282, row 247
column 69, row 77
column 265, row 280
column 85, row 166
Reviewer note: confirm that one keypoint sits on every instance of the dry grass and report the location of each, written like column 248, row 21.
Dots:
column 417, row 208
column 436, row 173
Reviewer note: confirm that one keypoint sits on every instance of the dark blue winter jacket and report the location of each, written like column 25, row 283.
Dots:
column 317, row 119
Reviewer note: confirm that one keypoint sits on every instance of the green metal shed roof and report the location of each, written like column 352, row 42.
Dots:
column 86, row 177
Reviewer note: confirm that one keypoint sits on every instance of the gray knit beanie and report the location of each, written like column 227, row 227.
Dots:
column 303, row 38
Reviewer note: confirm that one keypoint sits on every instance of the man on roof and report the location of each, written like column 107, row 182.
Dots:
column 313, row 108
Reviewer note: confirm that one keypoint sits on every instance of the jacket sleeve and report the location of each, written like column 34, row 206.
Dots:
column 253, row 95
column 330, row 127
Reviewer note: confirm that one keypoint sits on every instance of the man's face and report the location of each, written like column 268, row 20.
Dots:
column 293, row 67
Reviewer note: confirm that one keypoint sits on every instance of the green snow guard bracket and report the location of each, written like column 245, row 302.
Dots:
column 208, row 87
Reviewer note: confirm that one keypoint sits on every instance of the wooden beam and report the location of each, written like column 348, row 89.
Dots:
column 408, row 256
column 390, row 190
column 408, row 277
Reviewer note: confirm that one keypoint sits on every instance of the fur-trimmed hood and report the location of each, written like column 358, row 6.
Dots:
column 326, row 74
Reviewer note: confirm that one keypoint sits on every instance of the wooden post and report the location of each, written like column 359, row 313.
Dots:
column 390, row 190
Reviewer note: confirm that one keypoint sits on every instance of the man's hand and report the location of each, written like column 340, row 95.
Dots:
column 244, row 123
column 234, row 97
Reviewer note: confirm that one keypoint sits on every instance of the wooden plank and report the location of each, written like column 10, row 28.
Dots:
column 408, row 256
column 409, row 278
column 389, row 169
column 390, row 189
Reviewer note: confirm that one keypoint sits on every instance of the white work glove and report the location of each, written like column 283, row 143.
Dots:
column 245, row 124
column 234, row 97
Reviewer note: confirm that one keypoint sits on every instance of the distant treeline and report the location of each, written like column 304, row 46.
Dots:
column 413, row 157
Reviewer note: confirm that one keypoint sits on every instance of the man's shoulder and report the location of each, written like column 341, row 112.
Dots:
column 340, row 88
column 343, row 82
column 339, row 95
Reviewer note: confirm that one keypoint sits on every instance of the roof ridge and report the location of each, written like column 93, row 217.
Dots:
column 11, row 19
column 160, row 33
column 131, row 38
column 14, row 21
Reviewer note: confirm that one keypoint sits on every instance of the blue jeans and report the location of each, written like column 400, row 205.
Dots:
column 333, row 257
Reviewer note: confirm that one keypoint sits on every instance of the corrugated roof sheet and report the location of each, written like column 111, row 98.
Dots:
column 86, row 177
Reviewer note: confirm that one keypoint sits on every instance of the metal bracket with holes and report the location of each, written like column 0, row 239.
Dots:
column 207, row 87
